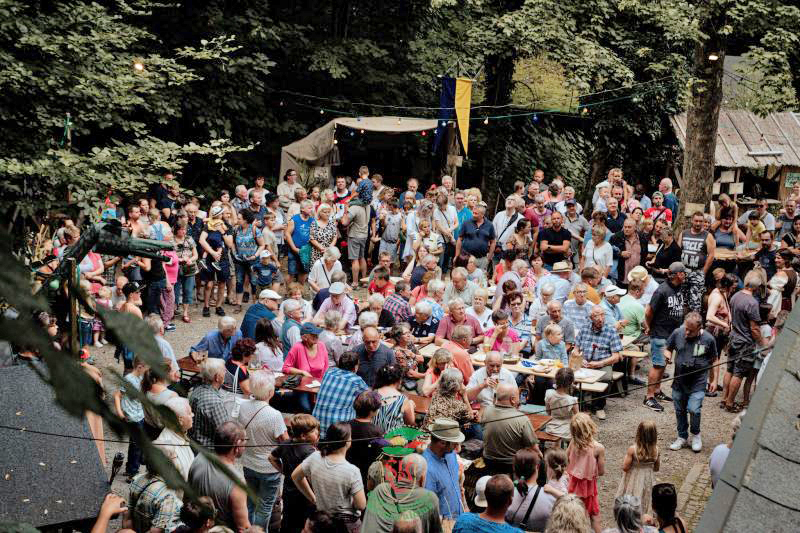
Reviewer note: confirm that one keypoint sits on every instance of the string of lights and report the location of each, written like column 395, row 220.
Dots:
column 580, row 404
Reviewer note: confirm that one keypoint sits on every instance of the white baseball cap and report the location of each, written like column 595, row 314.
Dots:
column 337, row 288
column 613, row 290
column 265, row 253
column 480, row 492
column 268, row 294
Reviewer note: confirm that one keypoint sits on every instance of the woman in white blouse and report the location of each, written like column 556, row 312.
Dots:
column 323, row 268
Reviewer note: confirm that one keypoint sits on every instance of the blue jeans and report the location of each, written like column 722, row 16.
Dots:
column 152, row 303
column 691, row 402
column 266, row 486
column 243, row 269
column 134, row 461
column 184, row 290
column 657, row 346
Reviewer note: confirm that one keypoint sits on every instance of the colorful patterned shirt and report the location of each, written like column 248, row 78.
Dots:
column 398, row 306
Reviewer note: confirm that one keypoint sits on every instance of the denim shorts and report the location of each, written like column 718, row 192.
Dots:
column 657, row 351
column 294, row 264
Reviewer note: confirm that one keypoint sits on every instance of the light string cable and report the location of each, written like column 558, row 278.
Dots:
column 580, row 403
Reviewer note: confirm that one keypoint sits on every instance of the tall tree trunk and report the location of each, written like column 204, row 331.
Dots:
column 703, row 117
column 499, row 84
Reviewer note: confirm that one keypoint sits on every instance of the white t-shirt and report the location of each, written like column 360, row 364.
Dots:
column 320, row 275
column 501, row 222
column 486, row 396
column 484, row 319
column 264, row 425
column 602, row 257
column 266, row 355
column 447, row 218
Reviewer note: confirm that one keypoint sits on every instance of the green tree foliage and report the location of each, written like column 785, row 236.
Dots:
column 78, row 58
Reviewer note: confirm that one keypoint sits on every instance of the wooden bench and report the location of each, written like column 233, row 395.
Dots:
column 548, row 440
column 596, row 387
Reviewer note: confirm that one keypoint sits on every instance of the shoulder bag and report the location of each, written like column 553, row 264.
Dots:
column 524, row 521
column 233, row 400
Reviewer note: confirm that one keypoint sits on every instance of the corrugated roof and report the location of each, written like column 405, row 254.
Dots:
column 745, row 140
column 758, row 488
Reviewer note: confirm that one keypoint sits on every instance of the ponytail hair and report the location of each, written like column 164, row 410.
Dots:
column 335, row 438
column 556, row 460
column 526, row 464
column 151, row 377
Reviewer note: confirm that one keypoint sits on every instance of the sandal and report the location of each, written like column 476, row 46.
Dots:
column 735, row 408
column 237, row 309
column 187, row 319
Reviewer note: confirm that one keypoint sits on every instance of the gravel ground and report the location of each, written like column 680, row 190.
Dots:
column 616, row 433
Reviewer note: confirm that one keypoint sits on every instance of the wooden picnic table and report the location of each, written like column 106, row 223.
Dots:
column 189, row 369
column 590, row 376
column 734, row 255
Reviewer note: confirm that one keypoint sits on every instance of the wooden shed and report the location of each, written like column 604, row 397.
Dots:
column 767, row 146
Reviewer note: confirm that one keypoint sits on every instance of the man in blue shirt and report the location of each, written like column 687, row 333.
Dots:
column 218, row 343
column 559, row 278
column 670, row 200
column 612, row 295
column 477, row 237
column 499, row 494
column 442, row 478
column 265, row 307
column 600, row 346
column 462, row 212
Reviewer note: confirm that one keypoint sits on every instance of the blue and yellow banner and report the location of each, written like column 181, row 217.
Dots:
column 454, row 100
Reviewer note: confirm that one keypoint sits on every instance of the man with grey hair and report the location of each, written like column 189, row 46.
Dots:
column 423, row 324
column 218, row 343
column 356, row 220
column 206, row 403
column 330, row 339
column 506, row 221
column 745, row 339
column 459, row 343
column 460, row 286
column 600, row 346
column 556, row 316
column 477, row 237
column 506, row 430
column 240, row 200
column 538, row 308
column 404, row 496
column 428, row 264
column 175, row 444
column 457, row 316
column 485, row 380
column 365, row 320
column 265, row 429
column 519, row 269
column 694, row 351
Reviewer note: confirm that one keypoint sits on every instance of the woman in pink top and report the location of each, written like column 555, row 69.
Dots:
column 501, row 338
column 309, row 357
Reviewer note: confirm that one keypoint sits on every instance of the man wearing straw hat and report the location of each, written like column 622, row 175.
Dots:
column 442, row 476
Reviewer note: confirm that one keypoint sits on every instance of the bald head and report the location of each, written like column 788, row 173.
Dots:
column 506, row 394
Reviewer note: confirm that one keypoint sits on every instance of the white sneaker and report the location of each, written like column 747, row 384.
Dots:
column 678, row 444
column 601, row 414
column 696, row 442
column 98, row 344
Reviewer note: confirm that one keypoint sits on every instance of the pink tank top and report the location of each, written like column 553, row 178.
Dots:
column 582, row 463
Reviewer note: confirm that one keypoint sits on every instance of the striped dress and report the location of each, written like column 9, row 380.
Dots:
column 390, row 414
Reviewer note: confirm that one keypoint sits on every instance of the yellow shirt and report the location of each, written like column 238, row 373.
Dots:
column 755, row 234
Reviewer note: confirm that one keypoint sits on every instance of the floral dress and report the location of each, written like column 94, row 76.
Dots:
column 324, row 235
column 452, row 407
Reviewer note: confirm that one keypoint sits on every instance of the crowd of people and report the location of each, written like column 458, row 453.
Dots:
column 545, row 278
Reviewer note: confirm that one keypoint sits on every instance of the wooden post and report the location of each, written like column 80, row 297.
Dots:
column 73, row 284
column 451, row 169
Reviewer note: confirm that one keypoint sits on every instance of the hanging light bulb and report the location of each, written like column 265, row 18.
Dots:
column 336, row 141
column 138, row 65
column 321, row 111
column 362, row 131
column 352, row 133
column 713, row 57
column 281, row 104
column 436, row 130
column 444, row 124
column 535, row 117
column 424, row 133
column 486, row 120
column 399, row 120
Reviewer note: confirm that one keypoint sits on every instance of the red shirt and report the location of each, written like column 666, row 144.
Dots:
column 384, row 291
column 652, row 212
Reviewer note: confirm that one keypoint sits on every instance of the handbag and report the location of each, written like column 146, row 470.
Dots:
column 233, row 401
column 305, row 256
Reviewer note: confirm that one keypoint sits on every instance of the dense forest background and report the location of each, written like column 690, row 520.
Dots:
column 223, row 85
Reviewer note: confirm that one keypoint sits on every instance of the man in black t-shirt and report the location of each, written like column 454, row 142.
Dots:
column 663, row 315
column 555, row 241
column 477, row 237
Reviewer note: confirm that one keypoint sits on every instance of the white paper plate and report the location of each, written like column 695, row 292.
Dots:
column 479, row 357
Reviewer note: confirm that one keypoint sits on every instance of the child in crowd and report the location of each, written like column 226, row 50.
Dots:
column 264, row 271
column 98, row 331
column 304, row 432
column 560, row 404
column 587, row 461
column 294, row 291
column 557, row 480
column 131, row 410
column 754, row 228
column 641, row 461
column 86, row 317
column 552, row 345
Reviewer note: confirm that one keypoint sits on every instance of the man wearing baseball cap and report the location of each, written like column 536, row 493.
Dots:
column 662, row 316
column 266, row 307
column 337, row 301
column 442, row 477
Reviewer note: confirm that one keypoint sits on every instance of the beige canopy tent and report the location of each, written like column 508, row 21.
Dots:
column 314, row 154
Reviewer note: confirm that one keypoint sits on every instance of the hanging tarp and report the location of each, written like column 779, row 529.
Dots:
column 317, row 149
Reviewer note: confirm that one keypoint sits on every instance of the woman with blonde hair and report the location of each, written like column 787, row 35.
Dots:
column 587, row 461
column 322, row 233
column 441, row 360
column 568, row 516
column 641, row 462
